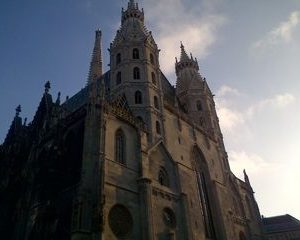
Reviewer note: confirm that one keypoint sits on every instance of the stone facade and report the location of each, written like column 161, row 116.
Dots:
column 127, row 157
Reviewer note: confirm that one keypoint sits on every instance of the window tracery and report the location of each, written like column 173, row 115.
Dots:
column 163, row 177
column 120, row 146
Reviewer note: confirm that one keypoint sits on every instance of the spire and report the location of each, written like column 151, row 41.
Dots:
column 96, row 63
column 246, row 178
column 18, row 110
column 183, row 55
column 47, row 87
column 185, row 61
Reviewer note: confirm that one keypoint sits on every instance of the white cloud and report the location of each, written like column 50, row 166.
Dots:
column 225, row 89
column 232, row 116
column 229, row 119
column 179, row 22
column 253, row 163
column 277, row 102
column 282, row 33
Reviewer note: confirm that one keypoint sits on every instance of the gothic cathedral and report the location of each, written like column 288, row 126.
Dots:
column 128, row 157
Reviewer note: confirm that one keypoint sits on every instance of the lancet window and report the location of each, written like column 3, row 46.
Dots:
column 136, row 73
column 118, row 58
column 119, row 78
column 138, row 97
column 135, row 53
column 120, row 146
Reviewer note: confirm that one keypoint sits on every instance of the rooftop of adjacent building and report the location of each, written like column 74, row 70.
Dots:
column 280, row 223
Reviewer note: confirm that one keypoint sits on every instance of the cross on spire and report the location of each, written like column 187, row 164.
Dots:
column 18, row 110
column 47, row 86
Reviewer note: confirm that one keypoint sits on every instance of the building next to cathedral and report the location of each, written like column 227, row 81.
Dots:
column 128, row 157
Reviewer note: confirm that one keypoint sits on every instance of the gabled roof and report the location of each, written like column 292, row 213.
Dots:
column 81, row 97
column 281, row 223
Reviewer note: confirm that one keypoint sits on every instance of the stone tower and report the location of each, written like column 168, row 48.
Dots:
column 135, row 72
column 194, row 93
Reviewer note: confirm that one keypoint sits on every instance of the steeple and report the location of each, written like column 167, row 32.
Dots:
column 183, row 55
column 134, row 70
column 96, row 62
column 185, row 61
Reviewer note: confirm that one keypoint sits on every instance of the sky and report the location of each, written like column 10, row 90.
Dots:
column 249, row 52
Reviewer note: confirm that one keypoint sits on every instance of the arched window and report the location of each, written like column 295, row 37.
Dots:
column 163, row 177
column 169, row 219
column 153, row 78
column 151, row 58
column 118, row 58
column 120, row 146
column 157, row 125
column 136, row 73
column 199, row 105
column 135, row 53
column 203, row 189
column 156, row 102
column 138, row 97
column 118, row 78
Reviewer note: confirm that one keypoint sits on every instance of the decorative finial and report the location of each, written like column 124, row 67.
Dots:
column 18, row 110
column 98, row 32
column 246, row 178
column 47, row 87
column 183, row 55
column 58, row 98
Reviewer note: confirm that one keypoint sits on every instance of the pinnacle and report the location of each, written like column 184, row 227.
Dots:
column 96, row 63
column 183, row 56
column 18, row 110
column 47, row 86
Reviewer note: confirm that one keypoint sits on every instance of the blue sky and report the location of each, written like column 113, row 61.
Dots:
column 249, row 52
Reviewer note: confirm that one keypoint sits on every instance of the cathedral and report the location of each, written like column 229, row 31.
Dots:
column 129, row 156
